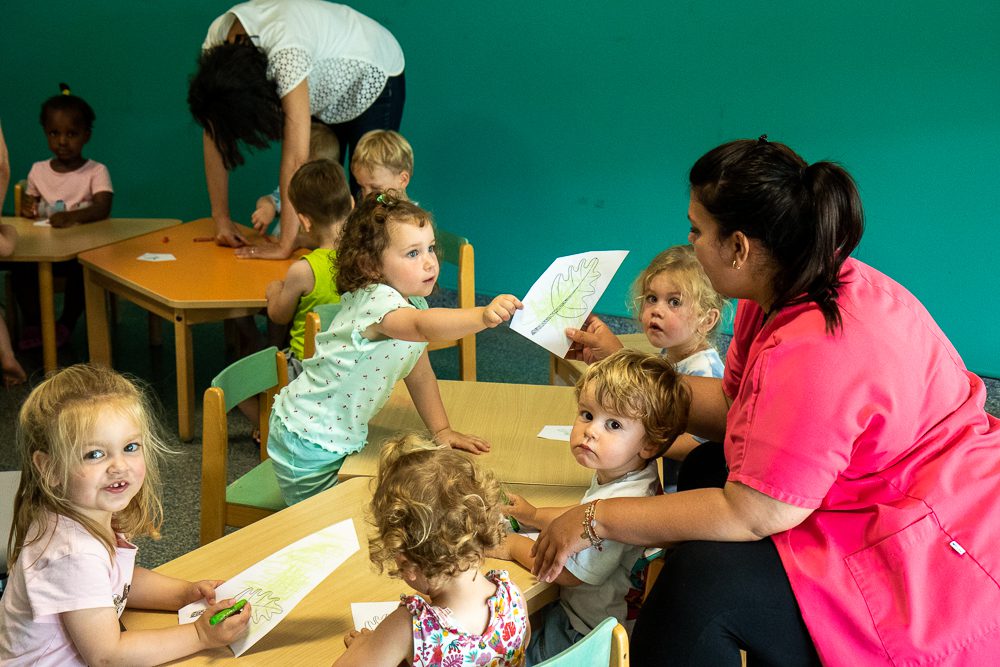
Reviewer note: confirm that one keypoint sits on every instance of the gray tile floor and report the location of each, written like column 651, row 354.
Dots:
column 502, row 356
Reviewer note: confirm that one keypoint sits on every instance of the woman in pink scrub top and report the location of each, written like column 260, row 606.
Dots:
column 859, row 520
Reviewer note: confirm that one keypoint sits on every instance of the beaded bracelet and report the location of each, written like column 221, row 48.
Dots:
column 589, row 524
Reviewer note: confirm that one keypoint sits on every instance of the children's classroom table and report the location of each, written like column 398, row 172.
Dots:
column 566, row 372
column 205, row 283
column 45, row 245
column 313, row 633
column 509, row 416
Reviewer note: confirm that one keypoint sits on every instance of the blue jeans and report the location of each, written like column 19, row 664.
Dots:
column 555, row 635
column 385, row 113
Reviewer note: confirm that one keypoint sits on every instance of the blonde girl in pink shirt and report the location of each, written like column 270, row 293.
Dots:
column 89, row 482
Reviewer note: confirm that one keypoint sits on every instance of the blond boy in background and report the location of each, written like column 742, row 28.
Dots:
column 382, row 160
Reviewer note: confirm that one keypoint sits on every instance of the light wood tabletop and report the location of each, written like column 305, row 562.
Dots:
column 205, row 283
column 566, row 372
column 313, row 632
column 45, row 245
column 509, row 416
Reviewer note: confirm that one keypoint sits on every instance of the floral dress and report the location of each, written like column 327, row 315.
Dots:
column 436, row 642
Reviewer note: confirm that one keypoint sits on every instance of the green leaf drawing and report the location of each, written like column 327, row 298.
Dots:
column 263, row 603
column 569, row 291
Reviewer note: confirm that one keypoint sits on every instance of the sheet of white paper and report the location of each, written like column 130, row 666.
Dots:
column 563, row 297
column 42, row 223
column 157, row 257
column 370, row 614
column 550, row 432
column 279, row 582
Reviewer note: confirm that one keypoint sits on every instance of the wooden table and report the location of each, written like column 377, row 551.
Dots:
column 45, row 245
column 509, row 416
column 206, row 283
column 313, row 633
column 565, row 372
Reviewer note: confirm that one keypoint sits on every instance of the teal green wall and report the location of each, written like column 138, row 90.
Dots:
column 543, row 129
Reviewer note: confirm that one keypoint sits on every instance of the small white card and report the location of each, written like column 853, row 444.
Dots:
column 157, row 257
column 370, row 614
column 42, row 223
column 555, row 433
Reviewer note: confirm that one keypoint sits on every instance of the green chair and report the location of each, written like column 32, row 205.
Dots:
column 255, row 495
column 318, row 320
column 458, row 251
column 607, row 644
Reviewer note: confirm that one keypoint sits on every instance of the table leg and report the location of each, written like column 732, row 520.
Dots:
column 185, row 375
column 48, row 312
column 98, row 332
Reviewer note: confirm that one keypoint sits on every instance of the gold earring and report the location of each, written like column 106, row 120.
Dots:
column 735, row 266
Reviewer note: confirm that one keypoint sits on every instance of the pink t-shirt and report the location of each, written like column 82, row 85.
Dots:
column 881, row 430
column 76, row 188
column 65, row 570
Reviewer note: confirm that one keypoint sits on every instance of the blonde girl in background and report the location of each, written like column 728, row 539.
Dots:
column 435, row 515
column 90, row 452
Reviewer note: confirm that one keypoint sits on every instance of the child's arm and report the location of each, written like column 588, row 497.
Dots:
column 29, row 206
column 99, row 639
column 529, row 515
column 264, row 214
column 13, row 373
column 99, row 210
column 152, row 590
column 8, row 240
column 283, row 296
column 518, row 549
column 423, row 388
column 389, row 644
column 443, row 323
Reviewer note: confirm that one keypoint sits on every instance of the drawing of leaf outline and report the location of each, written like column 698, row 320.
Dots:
column 263, row 604
column 570, row 289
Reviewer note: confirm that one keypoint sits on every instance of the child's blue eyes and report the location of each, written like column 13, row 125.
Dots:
column 96, row 454
column 132, row 447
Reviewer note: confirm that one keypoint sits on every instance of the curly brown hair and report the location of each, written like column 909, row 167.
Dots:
column 641, row 386
column 433, row 506
column 366, row 236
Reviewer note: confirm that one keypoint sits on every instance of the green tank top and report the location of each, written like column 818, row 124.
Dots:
column 324, row 291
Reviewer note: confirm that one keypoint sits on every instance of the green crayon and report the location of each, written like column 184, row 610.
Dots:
column 226, row 613
column 513, row 522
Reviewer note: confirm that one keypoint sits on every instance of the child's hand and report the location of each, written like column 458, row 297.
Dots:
column 500, row 551
column 60, row 220
column 13, row 373
column 468, row 443
column 204, row 589
column 520, row 509
column 263, row 215
column 274, row 289
column 357, row 636
column 501, row 309
column 226, row 631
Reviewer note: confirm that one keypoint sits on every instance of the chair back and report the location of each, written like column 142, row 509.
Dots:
column 607, row 644
column 457, row 250
column 318, row 320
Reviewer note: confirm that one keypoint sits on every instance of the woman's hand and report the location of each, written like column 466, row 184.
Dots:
column 455, row 440
column 262, row 251
column 501, row 309
column 226, row 234
column 520, row 509
column 593, row 342
column 558, row 542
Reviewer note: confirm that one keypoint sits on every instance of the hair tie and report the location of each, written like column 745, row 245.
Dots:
column 64, row 89
column 762, row 139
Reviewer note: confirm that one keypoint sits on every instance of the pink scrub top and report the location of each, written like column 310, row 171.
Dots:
column 881, row 430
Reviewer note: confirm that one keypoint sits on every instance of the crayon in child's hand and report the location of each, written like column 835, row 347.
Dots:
column 226, row 613
column 513, row 522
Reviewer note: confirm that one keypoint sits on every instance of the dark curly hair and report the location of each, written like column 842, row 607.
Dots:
column 231, row 97
column 366, row 236
column 66, row 101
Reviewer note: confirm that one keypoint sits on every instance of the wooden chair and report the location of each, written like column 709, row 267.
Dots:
column 318, row 320
column 458, row 251
column 607, row 644
column 256, row 494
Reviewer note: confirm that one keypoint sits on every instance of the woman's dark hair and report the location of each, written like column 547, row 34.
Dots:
column 66, row 101
column 366, row 236
column 231, row 97
column 808, row 217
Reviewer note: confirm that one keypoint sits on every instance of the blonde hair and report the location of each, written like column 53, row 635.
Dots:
column 59, row 415
column 433, row 506
column 686, row 270
column 640, row 386
column 323, row 143
column 383, row 148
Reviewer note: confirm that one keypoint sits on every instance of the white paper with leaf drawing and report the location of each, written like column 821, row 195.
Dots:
column 279, row 582
column 563, row 297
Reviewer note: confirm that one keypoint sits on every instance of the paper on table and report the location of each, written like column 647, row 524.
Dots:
column 279, row 582
column 42, row 223
column 563, row 297
column 370, row 614
column 555, row 432
column 157, row 257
